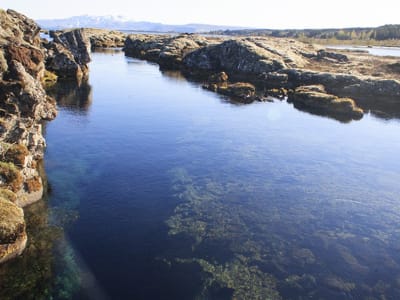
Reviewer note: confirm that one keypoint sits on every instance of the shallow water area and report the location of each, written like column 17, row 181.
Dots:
column 163, row 190
column 374, row 50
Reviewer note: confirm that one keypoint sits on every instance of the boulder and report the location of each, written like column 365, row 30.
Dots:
column 315, row 99
column 242, row 91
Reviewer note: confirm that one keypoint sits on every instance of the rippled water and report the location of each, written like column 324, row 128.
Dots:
column 162, row 190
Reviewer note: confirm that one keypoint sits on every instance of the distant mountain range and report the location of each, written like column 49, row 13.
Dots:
column 124, row 23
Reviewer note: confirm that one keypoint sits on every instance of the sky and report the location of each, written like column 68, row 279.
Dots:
column 279, row 14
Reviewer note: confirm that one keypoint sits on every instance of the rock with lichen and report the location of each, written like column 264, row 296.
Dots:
column 24, row 104
column 315, row 99
column 102, row 38
column 168, row 51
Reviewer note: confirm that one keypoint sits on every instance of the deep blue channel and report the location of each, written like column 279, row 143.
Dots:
column 180, row 193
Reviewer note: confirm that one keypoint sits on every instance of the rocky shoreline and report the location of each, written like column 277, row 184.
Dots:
column 338, row 84
column 350, row 83
column 27, row 65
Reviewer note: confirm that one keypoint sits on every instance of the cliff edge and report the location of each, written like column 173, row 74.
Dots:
column 24, row 105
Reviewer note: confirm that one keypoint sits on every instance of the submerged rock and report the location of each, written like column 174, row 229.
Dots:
column 315, row 99
column 12, row 230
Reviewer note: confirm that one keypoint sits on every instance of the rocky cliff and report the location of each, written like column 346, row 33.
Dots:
column 24, row 105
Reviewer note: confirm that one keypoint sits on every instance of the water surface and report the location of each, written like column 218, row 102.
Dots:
column 375, row 50
column 168, row 191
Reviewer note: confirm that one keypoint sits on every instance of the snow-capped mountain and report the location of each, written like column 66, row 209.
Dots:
column 125, row 23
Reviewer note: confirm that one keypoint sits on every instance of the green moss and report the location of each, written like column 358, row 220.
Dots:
column 246, row 282
column 8, row 195
column 10, row 177
column 49, row 79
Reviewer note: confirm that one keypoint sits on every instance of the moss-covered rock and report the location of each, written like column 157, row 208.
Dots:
column 10, row 177
column 49, row 79
column 314, row 99
column 12, row 223
column 16, row 154
column 8, row 195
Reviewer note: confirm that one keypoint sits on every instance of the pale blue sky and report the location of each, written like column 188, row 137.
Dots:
column 252, row 13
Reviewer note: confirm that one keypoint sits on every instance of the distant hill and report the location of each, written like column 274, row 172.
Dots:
column 386, row 32
column 123, row 23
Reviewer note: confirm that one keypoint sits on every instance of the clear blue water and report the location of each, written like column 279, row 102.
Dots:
column 168, row 191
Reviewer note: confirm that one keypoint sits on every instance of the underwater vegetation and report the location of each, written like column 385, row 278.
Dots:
column 263, row 241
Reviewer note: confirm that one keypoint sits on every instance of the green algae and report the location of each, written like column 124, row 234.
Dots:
column 239, row 225
column 245, row 281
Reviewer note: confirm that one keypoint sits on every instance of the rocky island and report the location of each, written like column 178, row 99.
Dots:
column 349, row 83
column 27, row 65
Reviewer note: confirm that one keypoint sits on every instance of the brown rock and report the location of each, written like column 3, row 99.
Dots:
column 314, row 99
column 68, row 54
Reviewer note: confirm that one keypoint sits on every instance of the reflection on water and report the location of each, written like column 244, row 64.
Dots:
column 384, row 108
column 168, row 191
column 72, row 95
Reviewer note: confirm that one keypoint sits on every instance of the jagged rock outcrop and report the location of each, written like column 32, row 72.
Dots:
column 247, row 57
column 315, row 99
column 167, row 51
column 68, row 54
